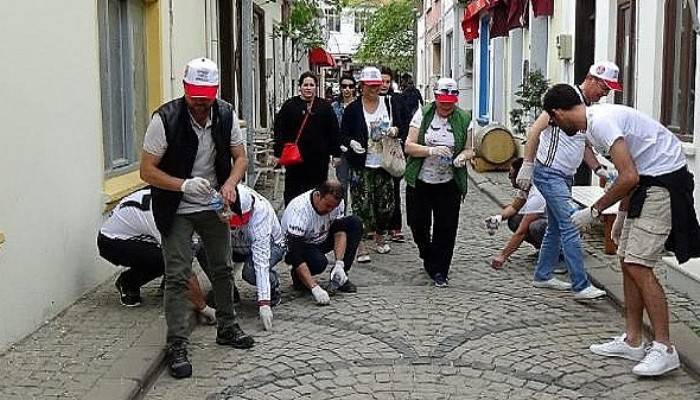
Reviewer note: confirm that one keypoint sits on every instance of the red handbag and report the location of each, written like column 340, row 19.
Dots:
column 290, row 152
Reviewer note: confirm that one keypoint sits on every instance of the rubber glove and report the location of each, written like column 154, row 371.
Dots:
column 208, row 315
column 266, row 317
column 440, row 151
column 582, row 218
column 461, row 160
column 196, row 186
column 321, row 296
column 357, row 147
column 524, row 178
column 608, row 174
column 338, row 275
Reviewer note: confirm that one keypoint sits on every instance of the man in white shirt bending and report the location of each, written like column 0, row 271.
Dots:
column 314, row 224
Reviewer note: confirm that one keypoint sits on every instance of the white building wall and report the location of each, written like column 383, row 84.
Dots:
column 649, row 63
column 51, row 161
column 345, row 41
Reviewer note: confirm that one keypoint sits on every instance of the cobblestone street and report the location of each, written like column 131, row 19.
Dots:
column 490, row 335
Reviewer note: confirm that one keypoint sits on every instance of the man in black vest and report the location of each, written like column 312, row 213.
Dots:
column 192, row 149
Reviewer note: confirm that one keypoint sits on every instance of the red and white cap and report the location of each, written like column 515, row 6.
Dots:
column 242, row 208
column 446, row 91
column 608, row 72
column 371, row 76
column 201, row 78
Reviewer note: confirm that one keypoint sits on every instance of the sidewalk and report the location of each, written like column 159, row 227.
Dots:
column 605, row 273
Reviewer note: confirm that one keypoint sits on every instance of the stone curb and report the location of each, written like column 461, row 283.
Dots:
column 685, row 339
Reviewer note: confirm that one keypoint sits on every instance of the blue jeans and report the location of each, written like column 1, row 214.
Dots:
column 276, row 255
column 561, row 234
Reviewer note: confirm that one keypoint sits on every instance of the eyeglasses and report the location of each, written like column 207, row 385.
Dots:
column 451, row 92
column 344, row 86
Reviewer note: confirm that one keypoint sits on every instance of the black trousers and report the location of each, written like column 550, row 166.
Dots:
column 144, row 259
column 437, row 206
column 396, row 222
column 314, row 255
column 305, row 176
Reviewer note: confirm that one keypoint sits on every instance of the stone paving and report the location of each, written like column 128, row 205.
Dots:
column 490, row 335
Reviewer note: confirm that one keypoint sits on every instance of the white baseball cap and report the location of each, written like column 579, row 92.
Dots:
column 608, row 72
column 242, row 208
column 371, row 76
column 446, row 91
column 201, row 78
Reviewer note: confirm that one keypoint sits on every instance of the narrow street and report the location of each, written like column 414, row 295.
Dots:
column 490, row 335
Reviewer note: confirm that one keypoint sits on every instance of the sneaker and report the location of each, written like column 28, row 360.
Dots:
column 619, row 348
column 348, row 287
column 553, row 283
column 560, row 270
column 658, row 361
column 589, row 293
column 178, row 363
column 440, row 280
column 363, row 258
column 234, row 337
column 383, row 248
column 128, row 297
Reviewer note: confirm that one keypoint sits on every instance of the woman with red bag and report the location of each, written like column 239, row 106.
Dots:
column 306, row 135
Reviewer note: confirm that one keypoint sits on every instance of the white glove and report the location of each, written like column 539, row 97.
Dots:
column 440, row 151
column 266, row 317
column 357, row 147
column 524, row 178
column 338, row 274
column 207, row 315
column 616, row 230
column 492, row 224
column 461, row 160
column 343, row 148
column 392, row 131
column 196, row 186
column 321, row 296
column 582, row 218
column 608, row 174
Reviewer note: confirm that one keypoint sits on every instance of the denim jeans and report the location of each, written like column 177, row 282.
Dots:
column 276, row 255
column 561, row 234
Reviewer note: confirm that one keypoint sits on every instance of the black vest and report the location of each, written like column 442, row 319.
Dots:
column 179, row 157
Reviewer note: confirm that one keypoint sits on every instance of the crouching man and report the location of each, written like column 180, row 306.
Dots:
column 314, row 224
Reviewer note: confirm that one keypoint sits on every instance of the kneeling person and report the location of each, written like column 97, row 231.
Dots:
column 314, row 224
column 257, row 241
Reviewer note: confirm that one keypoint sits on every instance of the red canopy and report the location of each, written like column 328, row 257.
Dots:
column 320, row 57
column 470, row 23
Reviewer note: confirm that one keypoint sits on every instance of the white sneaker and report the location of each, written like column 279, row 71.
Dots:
column 658, row 361
column 619, row 348
column 383, row 248
column 589, row 293
column 553, row 283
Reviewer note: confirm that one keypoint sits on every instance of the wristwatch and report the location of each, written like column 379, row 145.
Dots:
column 595, row 213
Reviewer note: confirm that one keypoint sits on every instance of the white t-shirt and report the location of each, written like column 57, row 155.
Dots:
column 156, row 143
column 654, row 149
column 255, row 238
column 535, row 203
column 301, row 219
column 133, row 219
column 436, row 169
column 377, row 124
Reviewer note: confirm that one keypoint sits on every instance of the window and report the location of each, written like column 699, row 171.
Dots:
column 678, row 94
column 123, row 82
column 361, row 17
column 626, row 50
column 448, row 55
column 332, row 20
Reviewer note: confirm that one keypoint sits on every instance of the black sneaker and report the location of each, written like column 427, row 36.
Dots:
column 348, row 287
column 128, row 297
column 235, row 337
column 276, row 297
column 178, row 363
column 440, row 280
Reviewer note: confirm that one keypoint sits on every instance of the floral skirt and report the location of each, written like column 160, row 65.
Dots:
column 372, row 191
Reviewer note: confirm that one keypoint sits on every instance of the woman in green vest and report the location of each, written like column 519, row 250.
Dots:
column 436, row 177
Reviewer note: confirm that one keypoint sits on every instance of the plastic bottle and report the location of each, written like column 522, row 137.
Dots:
column 216, row 203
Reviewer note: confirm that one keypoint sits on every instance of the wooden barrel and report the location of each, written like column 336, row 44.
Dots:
column 494, row 143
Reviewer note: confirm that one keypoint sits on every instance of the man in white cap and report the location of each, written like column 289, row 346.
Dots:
column 655, row 190
column 558, row 157
column 193, row 149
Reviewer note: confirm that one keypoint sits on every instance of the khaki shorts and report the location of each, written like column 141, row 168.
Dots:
column 643, row 238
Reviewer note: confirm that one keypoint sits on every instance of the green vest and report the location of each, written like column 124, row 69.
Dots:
column 459, row 121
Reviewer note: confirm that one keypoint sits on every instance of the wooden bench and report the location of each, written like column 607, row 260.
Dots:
column 587, row 196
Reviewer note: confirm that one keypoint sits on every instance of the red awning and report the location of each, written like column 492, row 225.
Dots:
column 320, row 57
column 470, row 23
column 543, row 7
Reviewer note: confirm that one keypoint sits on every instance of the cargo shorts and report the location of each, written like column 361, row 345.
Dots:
column 643, row 238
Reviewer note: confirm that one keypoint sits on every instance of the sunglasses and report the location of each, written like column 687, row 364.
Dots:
column 451, row 92
column 344, row 86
